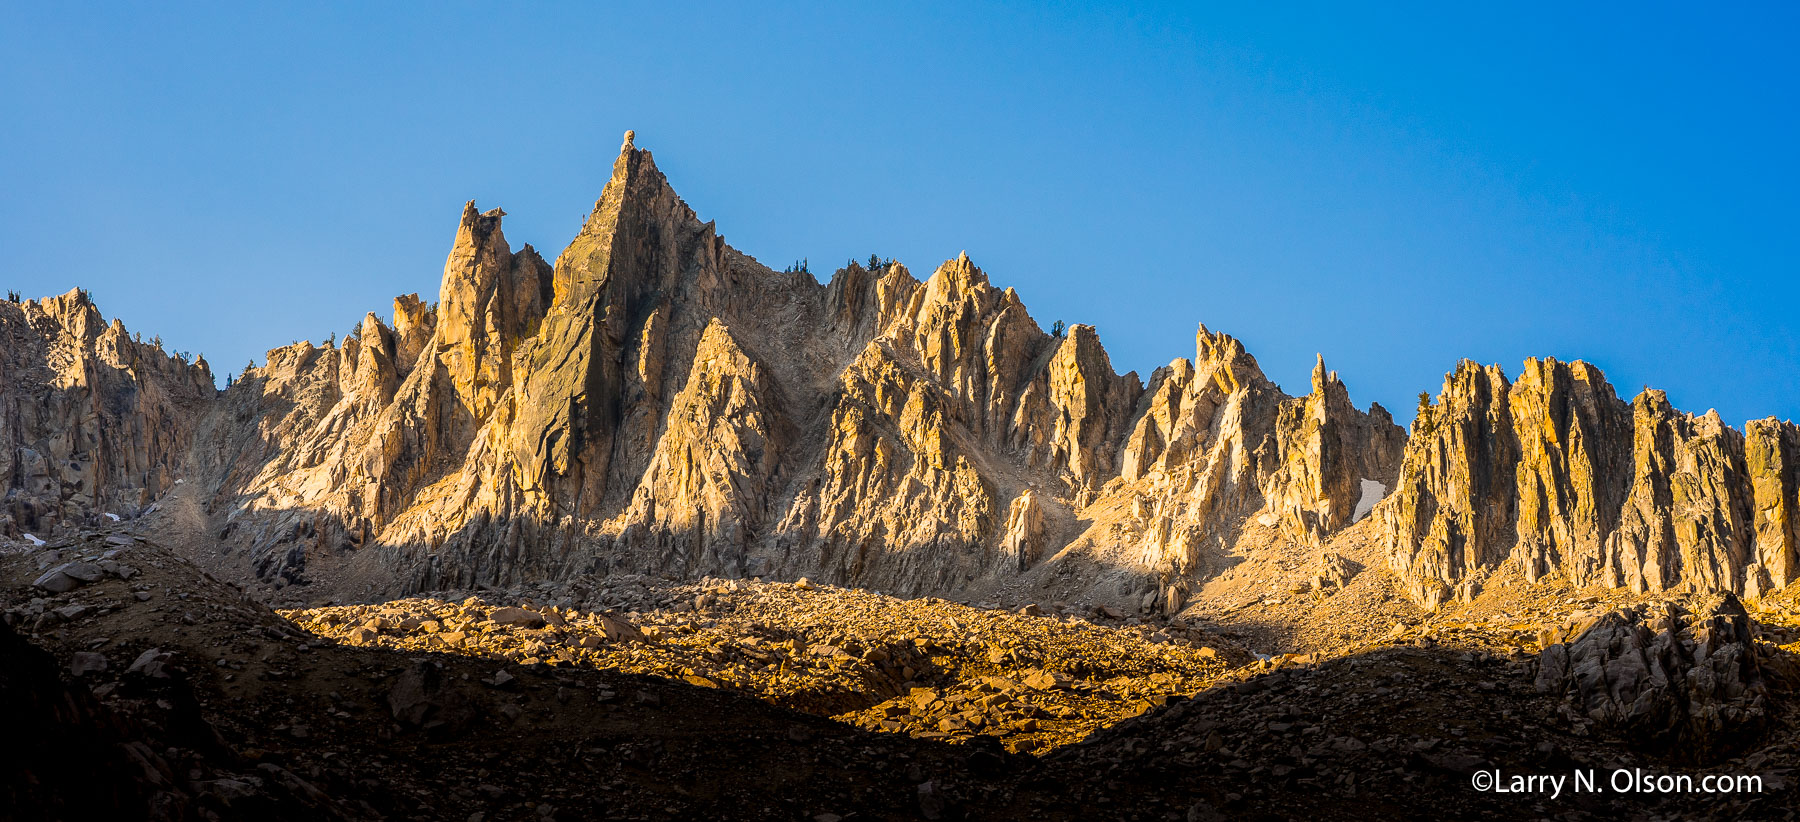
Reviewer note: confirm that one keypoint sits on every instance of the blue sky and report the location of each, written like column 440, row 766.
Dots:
column 1397, row 188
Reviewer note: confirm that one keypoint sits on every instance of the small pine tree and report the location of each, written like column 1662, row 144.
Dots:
column 1056, row 330
column 1422, row 422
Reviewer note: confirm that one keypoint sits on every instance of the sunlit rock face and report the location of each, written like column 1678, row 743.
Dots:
column 655, row 401
column 658, row 402
column 706, row 490
column 1215, row 450
column 1557, row 474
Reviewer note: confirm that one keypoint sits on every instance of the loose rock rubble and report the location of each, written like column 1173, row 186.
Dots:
column 930, row 668
column 68, row 576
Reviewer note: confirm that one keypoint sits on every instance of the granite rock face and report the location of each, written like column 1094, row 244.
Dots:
column 1557, row 474
column 706, row 492
column 1325, row 453
column 1217, row 449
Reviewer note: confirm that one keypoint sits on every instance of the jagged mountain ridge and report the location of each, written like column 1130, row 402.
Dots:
column 657, row 401
column 92, row 420
column 1555, row 473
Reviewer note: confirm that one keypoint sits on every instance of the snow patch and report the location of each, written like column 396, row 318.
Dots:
column 113, row 517
column 1372, row 492
column 34, row 540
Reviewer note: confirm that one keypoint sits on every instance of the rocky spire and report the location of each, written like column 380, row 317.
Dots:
column 489, row 301
column 706, row 490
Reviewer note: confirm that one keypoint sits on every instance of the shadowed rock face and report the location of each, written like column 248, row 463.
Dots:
column 658, row 402
column 92, row 421
column 1661, row 676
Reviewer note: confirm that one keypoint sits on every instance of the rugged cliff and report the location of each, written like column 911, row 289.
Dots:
column 92, row 420
column 657, row 402
column 1216, row 451
column 1557, row 474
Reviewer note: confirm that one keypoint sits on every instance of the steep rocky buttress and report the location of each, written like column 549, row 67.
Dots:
column 1555, row 473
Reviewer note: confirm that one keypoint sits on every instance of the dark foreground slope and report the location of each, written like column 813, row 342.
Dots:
column 248, row 713
column 195, row 702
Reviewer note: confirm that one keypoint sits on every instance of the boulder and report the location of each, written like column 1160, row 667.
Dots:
column 422, row 698
column 86, row 662
column 69, row 576
column 517, row 617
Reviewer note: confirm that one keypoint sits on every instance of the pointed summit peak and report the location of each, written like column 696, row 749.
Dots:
column 716, row 331
column 955, row 280
column 1207, row 342
column 636, row 203
column 717, row 336
column 1224, row 355
column 371, row 327
column 471, row 214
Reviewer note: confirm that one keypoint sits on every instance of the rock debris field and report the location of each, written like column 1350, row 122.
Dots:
column 929, row 668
